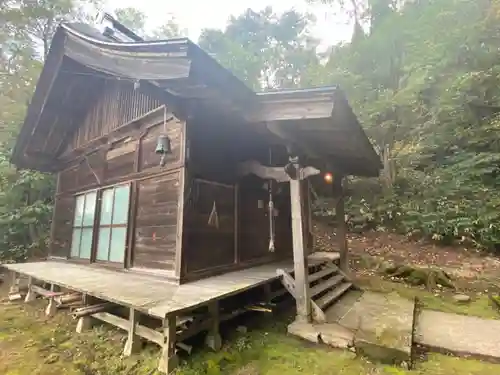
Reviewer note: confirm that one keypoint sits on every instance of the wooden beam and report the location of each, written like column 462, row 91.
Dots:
column 141, row 331
column 277, row 174
column 213, row 339
column 30, row 296
column 51, row 309
column 168, row 358
column 282, row 107
column 302, row 292
column 133, row 344
column 236, row 222
column 341, row 224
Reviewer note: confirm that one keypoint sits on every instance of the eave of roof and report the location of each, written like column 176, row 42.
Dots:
column 175, row 61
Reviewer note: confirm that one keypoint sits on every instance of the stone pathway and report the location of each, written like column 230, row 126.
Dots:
column 459, row 334
column 382, row 327
column 382, row 324
column 377, row 325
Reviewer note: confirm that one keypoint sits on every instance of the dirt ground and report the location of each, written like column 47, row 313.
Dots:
column 469, row 265
column 31, row 344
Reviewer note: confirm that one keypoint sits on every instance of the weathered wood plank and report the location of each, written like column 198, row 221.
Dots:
column 105, row 115
column 147, row 294
column 299, row 253
column 155, row 238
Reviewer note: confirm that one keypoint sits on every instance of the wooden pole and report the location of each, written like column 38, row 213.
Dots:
column 51, row 309
column 168, row 358
column 133, row 344
column 341, row 224
column 302, row 299
column 89, row 310
column 213, row 339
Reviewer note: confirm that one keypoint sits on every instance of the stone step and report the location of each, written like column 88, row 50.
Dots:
column 326, row 284
column 333, row 295
column 383, row 324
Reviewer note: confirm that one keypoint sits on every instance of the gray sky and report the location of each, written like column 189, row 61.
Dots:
column 194, row 15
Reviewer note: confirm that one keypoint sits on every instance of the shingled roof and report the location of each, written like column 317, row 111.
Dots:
column 319, row 121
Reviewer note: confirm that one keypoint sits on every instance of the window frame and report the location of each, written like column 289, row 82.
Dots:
column 96, row 226
column 82, row 226
column 112, row 226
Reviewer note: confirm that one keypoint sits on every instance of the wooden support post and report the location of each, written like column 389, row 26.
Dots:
column 133, row 344
column 341, row 224
column 213, row 339
column 168, row 358
column 14, row 283
column 30, row 296
column 85, row 322
column 302, row 299
column 51, row 309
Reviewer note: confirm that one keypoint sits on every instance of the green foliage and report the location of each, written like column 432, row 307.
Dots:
column 25, row 211
column 265, row 49
column 132, row 18
column 26, row 29
column 414, row 80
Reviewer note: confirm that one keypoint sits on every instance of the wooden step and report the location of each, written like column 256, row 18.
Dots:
column 327, row 284
column 320, row 274
column 333, row 295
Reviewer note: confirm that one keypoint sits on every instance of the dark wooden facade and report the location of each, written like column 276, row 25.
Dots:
column 168, row 226
column 95, row 120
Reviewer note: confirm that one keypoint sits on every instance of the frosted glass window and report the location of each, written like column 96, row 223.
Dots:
column 79, row 209
column 120, row 209
column 89, row 213
column 75, row 242
column 103, row 243
column 107, row 207
column 118, row 243
column 83, row 225
column 113, row 222
column 86, row 243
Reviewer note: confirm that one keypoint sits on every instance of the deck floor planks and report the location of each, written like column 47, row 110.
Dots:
column 148, row 293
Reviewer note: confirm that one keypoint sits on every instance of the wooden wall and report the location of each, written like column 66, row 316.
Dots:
column 116, row 144
column 209, row 226
column 242, row 238
column 118, row 104
column 156, row 222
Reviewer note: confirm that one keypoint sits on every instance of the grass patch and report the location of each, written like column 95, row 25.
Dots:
column 29, row 344
column 479, row 306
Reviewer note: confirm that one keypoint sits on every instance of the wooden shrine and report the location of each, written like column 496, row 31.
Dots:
column 179, row 189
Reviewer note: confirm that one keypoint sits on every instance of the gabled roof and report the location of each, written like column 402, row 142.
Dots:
column 318, row 120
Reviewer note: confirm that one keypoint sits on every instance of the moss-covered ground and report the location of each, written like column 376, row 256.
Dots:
column 32, row 345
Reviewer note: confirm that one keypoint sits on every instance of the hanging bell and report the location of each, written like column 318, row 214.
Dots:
column 163, row 145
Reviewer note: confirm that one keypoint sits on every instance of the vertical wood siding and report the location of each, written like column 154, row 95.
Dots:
column 62, row 226
column 209, row 245
column 118, row 105
column 156, row 222
column 155, row 196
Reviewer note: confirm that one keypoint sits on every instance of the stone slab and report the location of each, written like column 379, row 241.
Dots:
column 335, row 335
column 382, row 324
column 459, row 334
column 304, row 330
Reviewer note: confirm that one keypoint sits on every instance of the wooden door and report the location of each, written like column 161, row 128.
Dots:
column 209, row 228
column 253, row 222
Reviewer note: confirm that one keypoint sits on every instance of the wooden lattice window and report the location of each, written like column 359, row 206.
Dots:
column 83, row 225
column 112, row 237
